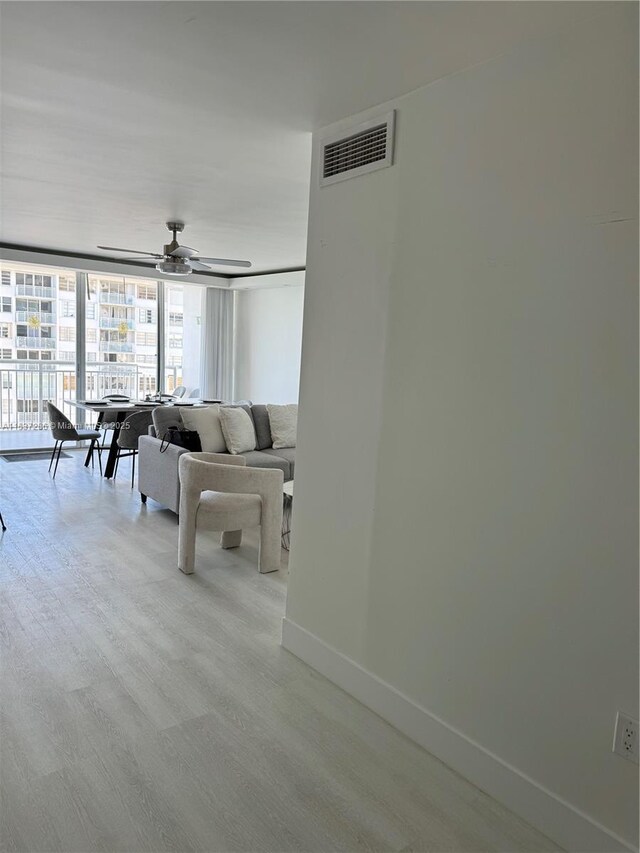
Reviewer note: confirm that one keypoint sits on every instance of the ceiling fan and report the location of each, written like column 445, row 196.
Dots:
column 177, row 259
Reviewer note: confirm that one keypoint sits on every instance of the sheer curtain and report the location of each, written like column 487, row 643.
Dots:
column 216, row 365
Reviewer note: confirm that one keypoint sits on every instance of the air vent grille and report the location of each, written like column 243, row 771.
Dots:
column 362, row 149
column 367, row 147
column 6, row 277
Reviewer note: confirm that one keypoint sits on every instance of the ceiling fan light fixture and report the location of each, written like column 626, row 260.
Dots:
column 174, row 267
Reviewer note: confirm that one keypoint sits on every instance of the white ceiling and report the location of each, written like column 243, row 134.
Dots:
column 117, row 116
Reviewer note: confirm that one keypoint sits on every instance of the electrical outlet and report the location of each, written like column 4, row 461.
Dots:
column 625, row 738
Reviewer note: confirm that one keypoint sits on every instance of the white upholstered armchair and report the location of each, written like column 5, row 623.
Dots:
column 218, row 492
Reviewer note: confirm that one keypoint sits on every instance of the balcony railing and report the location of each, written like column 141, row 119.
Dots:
column 111, row 323
column 106, row 296
column 115, row 346
column 35, row 343
column 43, row 316
column 29, row 384
column 35, row 290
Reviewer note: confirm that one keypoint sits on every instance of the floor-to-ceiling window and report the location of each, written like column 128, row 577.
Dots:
column 65, row 333
column 121, row 332
column 37, row 343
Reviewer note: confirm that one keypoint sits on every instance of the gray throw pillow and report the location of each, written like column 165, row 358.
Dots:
column 263, row 428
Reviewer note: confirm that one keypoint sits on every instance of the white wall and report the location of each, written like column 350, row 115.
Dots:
column 470, row 356
column 268, row 338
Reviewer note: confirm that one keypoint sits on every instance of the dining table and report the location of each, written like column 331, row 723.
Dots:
column 116, row 411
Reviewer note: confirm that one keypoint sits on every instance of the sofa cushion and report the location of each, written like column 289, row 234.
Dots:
column 237, row 427
column 263, row 428
column 284, row 423
column 245, row 406
column 206, row 422
column 288, row 453
column 166, row 417
column 262, row 459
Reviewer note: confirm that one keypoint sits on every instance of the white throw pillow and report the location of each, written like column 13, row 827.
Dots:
column 206, row 422
column 284, row 424
column 238, row 430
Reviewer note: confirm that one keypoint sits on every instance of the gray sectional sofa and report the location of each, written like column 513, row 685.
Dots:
column 158, row 472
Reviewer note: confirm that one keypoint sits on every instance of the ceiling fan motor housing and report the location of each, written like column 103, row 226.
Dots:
column 174, row 267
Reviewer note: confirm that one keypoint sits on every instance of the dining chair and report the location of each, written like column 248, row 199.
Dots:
column 195, row 394
column 106, row 425
column 179, row 391
column 218, row 492
column 63, row 430
column 132, row 428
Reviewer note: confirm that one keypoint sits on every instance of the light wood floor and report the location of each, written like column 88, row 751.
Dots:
column 25, row 439
column 143, row 710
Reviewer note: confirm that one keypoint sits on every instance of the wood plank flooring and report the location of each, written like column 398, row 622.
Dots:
column 144, row 710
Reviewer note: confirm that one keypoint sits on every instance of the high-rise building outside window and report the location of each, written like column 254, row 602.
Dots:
column 122, row 316
column 34, row 344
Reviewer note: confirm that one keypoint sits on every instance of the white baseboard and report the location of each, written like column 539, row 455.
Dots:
column 559, row 820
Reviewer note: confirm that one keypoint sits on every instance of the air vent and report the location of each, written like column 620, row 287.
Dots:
column 361, row 149
column 6, row 277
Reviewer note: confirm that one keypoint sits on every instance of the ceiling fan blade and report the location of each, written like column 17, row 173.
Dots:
column 130, row 251
column 142, row 258
column 224, row 262
column 183, row 252
column 196, row 265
